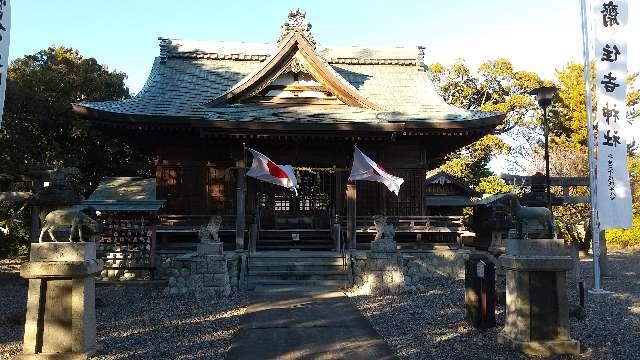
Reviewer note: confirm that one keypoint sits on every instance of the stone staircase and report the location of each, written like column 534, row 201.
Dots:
column 297, row 268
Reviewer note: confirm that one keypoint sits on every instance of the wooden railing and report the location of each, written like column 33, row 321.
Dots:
column 364, row 224
column 412, row 224
column 192, row 223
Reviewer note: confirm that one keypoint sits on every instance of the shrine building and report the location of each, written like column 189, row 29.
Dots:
column 303, row 104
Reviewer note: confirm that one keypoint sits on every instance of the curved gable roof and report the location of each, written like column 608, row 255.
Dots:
column 277, row 64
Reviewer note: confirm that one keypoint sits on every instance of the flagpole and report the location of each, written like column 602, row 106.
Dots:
column 244, row 154
column 595, row 225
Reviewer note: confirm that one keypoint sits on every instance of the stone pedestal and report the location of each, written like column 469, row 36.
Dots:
column 203, row 274
column 60, row 321
column 537, row 318
column 383, row 271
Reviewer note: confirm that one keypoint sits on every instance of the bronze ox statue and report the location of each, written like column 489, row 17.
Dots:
column 530, row 222
column 77, row 219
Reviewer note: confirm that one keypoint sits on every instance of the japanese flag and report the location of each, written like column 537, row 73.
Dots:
column 366, row 169
column 262, row 168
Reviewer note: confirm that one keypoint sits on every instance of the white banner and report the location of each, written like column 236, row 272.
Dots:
column 5, row 27
column 613, row 193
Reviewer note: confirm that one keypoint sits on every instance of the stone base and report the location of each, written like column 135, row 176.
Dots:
column 536, row 247
column 52, row 251
column 57, row 356
column 210, row 249
column 542, row 348
column 60, row 316
column 204, row 274
column 382, row 273
column 383, row 245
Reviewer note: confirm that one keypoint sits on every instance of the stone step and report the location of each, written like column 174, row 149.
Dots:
column 298, row 259
column 303, row 248
column 336, row 283
column 294, row 254
column 298, row 266
column 297, row 273
column 289, row 240
column 267, row 279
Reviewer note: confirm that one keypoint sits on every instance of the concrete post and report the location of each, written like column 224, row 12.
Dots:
column 60, row 319
column 537, row 316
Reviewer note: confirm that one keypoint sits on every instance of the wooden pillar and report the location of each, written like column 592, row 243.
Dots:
column 339, row 195
column 383, row 197
column 351, row 215
column 338, row 211
column 254, row 212
column 240, row 204
column 153, row 260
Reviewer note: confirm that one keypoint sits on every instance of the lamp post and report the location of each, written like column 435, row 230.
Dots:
column 544, row 96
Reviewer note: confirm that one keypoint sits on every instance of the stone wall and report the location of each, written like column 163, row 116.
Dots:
column 123, row 256
column 403, row 271
column 205, row 275
column 420, row 265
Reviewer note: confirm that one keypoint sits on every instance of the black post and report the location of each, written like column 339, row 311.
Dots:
column 546, row 157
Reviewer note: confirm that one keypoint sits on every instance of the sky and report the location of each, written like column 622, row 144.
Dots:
column 539, row 36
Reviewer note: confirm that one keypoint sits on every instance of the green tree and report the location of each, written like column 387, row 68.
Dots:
column 568, row 137
column 494, row 185
column 496, row 87
column 39, row 128
column 630, row 237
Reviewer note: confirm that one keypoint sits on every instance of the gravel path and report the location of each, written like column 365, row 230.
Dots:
column 430, row 324
column 136, row 322
column 13, row 299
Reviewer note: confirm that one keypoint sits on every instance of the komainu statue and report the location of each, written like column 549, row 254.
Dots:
column 77, row 219
column 209, row 233
column 383, row 230
column 531, row 222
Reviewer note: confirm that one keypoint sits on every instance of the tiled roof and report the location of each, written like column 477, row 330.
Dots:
column 224, row 50
column 124, row 194
column 189, row 74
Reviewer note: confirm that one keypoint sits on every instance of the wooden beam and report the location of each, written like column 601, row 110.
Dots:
column 292, row 101
column 555, row 180
column 15, row 196
column 296, row 88
column 575, row 200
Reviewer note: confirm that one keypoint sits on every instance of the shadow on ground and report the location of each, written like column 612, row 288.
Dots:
column 430, row 323
column 305, row 323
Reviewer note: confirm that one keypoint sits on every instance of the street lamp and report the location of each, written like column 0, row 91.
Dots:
column 544, row 96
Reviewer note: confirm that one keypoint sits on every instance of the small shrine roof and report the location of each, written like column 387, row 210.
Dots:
column 124, row 194
column 438, row 176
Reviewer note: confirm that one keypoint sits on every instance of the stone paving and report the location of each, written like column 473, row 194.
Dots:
column 308, row 323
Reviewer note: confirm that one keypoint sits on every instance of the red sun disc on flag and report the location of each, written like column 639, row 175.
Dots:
column 276, row 171
column 378, row 169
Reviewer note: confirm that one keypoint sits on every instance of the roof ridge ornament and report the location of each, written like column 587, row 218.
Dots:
column 165, row 48
column 420, row 58
column 297, row 22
